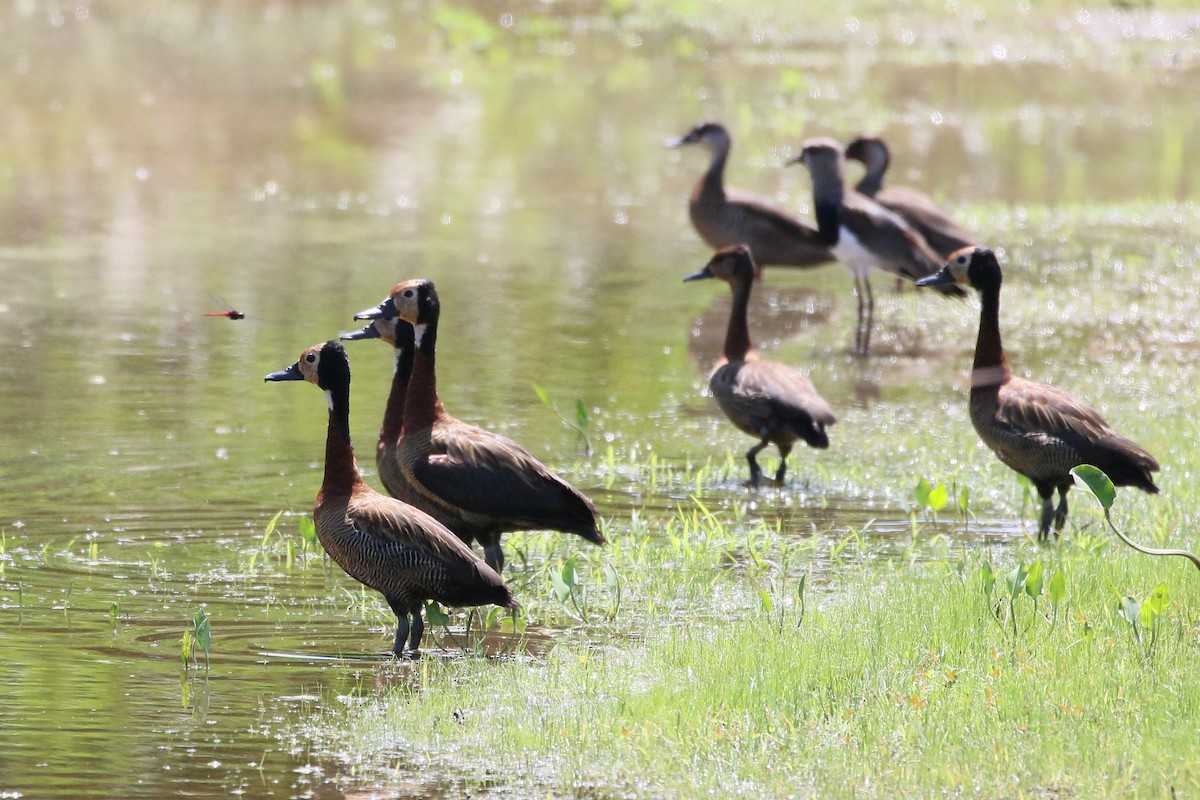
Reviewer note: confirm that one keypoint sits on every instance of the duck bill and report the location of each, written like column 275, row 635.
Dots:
column 941, row 278
column 292, row 373
column 700, row 274
column 369, row 331
column 385, row 310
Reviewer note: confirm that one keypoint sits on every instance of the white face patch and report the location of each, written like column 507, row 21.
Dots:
column 419, row 333
column 329, row 397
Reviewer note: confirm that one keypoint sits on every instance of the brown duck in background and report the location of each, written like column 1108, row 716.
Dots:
column 863, row 234
column 1040, row 431
column 390, row 546
column 725, row 217
column 489, row 481
column 399, row 334
column 771, row 401
column 940, row 232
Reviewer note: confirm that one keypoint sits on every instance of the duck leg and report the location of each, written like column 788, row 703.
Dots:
column 755, row 472
column 402, row 626
column 493, row 554
column 784, row 450
column 859, row 330
column 1047, row 512
column 866, row 347
column 1060, row 515
column 418, row 629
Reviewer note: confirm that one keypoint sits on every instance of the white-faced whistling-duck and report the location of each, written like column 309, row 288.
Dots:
column 863, row 234
column 725, row 217
column 488, row 480
column 772, row 402
column 941, row 232
column 390, row 546
column 1040, row 431
column 399, row 334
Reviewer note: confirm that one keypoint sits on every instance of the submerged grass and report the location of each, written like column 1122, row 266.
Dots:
column 728, row 673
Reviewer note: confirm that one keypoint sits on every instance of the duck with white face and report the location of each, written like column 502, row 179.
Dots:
column 773, row 402
column 487, row 481
column 1040, row 431
column 862, row 234
column 390, row 546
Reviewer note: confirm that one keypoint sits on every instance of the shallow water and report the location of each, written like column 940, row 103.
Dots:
column 294, row 161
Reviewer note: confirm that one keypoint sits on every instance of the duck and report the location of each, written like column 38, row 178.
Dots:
column 388, row 545
column 863, row 234
column 399, row 334
column 1040, row 431
column 724, row 216
column 918, row 209
column 489, row 481
column 773, row 402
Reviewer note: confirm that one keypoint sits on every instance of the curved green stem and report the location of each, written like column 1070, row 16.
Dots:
column 1150, row 551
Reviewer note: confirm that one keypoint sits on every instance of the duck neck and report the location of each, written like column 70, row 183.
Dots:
column 990, row 368
column 737, row 336
column 422, row 406
column 876, row 162
column 828, row 195
column 712, row 185
column 341, row 472
column 393, row 415
column 871, row 183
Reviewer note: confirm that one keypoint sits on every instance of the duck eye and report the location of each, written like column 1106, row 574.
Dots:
column 311, row 358
column 408, row 293
column 962, row 261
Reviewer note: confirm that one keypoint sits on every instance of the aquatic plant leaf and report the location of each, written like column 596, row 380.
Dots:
column 1097, row 483
column 308, row 530
column 561, row 590
column 1035, row 580
column 1155, row 604
column 203, row 636
column 938, row 497
column 963, row 499
column 435, row 614
column 1057, row 588
column 1130, row 610
column 921, row 492
column 764, row 599
column 581, row 415
column 271, row 528
column 1016, row 580
column 988, row 576
column 543, row 396
column 612, row 578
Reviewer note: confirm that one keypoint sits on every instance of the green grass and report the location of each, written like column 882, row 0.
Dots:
column 727, row 672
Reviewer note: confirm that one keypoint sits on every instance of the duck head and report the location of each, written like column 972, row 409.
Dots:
column 325, row 365
column 968, row 266
column 733, row 264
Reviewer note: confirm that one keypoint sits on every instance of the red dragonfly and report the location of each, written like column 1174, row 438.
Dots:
column 231, row 314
